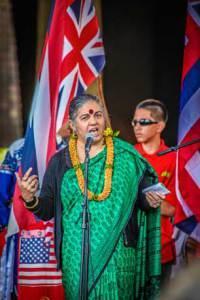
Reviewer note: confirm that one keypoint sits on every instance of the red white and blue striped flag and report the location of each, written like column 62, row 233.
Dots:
column 73, row 56
column 188, row 158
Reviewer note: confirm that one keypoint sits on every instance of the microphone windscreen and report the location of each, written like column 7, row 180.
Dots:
column 89, row 138
column 89, row 135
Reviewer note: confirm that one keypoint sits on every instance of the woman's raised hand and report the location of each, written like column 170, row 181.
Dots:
column 28, row 185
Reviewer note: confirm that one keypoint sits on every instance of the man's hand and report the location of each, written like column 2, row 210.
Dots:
column 28, row 185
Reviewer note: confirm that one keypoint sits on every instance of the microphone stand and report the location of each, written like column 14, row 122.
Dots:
column 175, row 148
column 83, row 288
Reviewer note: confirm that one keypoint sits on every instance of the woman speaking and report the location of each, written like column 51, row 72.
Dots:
column 124, row 258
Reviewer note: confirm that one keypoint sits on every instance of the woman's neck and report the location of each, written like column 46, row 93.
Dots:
column 95, row 149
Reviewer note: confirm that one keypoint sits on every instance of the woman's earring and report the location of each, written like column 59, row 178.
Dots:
column 74, row 135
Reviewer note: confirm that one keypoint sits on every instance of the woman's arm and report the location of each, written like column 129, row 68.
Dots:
column 45, row 208
column 42, row 206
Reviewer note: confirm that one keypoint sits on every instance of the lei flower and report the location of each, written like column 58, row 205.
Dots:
column 108, row 166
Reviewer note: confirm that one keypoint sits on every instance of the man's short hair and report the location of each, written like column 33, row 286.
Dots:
column 156, row 107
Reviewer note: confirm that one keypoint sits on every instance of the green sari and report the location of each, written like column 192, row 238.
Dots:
column 115, row 271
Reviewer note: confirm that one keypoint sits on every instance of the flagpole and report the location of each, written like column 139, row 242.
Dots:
column 83, row 289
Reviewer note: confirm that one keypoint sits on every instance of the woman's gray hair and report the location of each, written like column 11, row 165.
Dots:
column 79, row 101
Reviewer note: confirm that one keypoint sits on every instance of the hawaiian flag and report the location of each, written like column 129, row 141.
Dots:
column 73, row 56
column 188, row 158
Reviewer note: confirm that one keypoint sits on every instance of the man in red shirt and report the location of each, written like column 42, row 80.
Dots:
column 148, row 122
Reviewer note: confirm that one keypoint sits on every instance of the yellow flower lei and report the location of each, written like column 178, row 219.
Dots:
column 108, row 168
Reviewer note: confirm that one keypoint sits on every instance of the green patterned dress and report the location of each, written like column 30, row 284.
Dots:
column 115, row 271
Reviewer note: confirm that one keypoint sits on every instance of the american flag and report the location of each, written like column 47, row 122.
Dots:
column 38, row 277
column 188, row 158
column 37, row 261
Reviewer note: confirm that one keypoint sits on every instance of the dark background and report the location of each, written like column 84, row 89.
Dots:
column 144, row 43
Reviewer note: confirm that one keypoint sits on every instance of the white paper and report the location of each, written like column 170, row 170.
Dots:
column 158, row 187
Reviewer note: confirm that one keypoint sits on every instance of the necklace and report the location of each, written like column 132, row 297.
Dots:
column 108, row 168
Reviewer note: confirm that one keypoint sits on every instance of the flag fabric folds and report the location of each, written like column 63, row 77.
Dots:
column 72, row 58
column 188, row 158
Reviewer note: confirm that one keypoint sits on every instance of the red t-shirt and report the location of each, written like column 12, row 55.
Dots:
column 165, row 169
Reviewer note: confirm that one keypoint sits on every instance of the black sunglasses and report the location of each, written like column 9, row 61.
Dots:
column 143, row 122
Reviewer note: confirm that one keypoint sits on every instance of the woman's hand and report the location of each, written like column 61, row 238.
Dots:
column 154, row 198
column 28, row 185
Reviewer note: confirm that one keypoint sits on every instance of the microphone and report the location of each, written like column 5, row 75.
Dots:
column 89, row 138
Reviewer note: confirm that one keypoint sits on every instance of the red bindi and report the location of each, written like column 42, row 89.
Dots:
column 91, row 111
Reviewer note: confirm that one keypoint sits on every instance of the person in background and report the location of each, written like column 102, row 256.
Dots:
column 149, row 121
column 8, row 167
column 124, row 258
column 8, row 255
